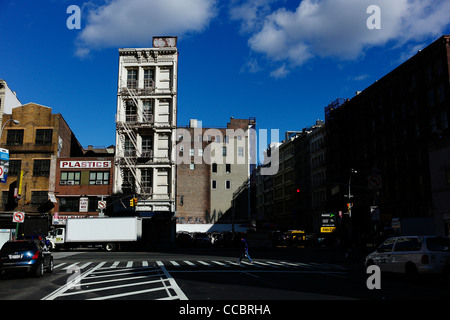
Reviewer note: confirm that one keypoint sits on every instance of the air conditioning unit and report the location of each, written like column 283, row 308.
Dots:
column 71, row 182
column 99, row 182
column 63, row 183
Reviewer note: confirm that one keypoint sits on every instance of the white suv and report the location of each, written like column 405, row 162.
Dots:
column 412, row 254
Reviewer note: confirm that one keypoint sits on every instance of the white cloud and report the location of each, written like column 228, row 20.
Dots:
column 279, row 73
column 124, row 23
column 337, row 28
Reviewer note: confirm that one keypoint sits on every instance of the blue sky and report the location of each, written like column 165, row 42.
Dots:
column 281, row 61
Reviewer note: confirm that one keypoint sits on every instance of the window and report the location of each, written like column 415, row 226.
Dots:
column 70, row 178
column 41, row 168
column 192, row 166
column 224, row 151
column 146, row 145
column 228, row 168
column 408, row 244
column 146, row 180
column 132, row 77
column 147, row 107
column 214, row 167
column 240, row 151
column 214, row 184
column 200, row 152
column 38, row 197
column 14, row 167
column 228, row 184
column 149, row 77
column 99, row 177
column 130, row 112
column 69, row 204
column 43, row 137
column 192, row 152
column 387, row 245
column 14, row 137
column 130, row 151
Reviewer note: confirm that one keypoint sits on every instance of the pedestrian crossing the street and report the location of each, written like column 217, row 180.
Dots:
column 202, row 264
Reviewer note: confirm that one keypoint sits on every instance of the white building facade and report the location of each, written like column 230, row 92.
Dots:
column 146, row 122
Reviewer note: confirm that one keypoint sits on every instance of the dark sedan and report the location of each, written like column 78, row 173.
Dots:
column 25, row 256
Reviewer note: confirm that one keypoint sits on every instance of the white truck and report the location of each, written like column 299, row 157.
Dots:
column 108, row 233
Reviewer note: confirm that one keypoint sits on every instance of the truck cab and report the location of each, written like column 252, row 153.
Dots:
column 56, row 237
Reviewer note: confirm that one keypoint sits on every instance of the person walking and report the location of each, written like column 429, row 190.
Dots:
column 244, row 251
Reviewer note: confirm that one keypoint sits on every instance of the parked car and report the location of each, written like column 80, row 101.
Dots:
column 25, row 256
column 184, row 239
column 201, row 239
column 412, row 255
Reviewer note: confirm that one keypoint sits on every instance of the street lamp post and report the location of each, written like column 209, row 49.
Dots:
column 13, row 120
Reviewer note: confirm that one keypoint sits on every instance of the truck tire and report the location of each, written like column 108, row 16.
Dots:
column 110, row 247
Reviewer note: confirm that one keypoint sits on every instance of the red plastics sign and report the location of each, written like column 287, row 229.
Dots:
column 84, row 164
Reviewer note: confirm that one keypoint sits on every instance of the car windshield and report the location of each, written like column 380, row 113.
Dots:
column 17, row 246
column 438, row 244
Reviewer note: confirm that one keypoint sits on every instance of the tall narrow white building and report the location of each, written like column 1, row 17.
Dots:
column 146, row 122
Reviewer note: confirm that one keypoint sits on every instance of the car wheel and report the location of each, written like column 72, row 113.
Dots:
column 411, row 270
column 50, row 266
column 39, row 272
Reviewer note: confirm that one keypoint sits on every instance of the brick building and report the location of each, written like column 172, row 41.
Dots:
column 34, row 144
column 384, row 134
column 213, row 163
column 81, row 182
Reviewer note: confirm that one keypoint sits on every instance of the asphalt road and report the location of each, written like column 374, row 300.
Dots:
column 209, row 274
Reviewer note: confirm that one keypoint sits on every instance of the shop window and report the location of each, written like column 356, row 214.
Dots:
column 69, row 204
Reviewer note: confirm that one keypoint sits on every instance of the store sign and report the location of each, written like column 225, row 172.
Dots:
column 84, row 164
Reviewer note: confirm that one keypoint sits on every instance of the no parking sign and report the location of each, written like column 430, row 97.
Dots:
column 18, row 216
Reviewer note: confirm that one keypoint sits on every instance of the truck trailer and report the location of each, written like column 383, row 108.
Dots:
column 108, row 233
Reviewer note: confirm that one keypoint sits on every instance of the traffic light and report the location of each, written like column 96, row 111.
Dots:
column 349, row 206
column 133, row 202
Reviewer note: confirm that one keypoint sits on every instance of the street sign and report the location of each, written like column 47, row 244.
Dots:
column 18, row 217
column 84, row 203
column 374, row 181
column 4, row 164
column 102, row 204
column 327, row 229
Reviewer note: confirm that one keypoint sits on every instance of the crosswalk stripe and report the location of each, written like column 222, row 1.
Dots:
column 85, row 265
column 71, row 266
column 226, row 264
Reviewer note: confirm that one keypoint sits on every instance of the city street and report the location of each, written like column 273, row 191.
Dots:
column 213, row 274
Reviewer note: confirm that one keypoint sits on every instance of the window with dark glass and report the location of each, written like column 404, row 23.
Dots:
column 41, row 168
column 69, row 204
column 14, row 167
column 43, row 137
column 14, row 137
column 38, row 197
